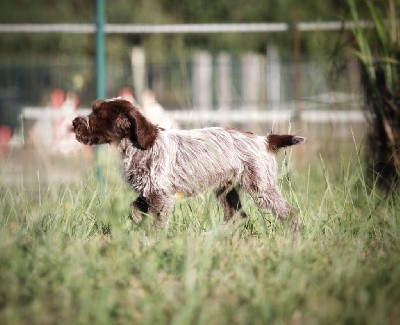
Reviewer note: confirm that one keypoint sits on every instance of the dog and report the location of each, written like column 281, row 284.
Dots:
column 161, row 165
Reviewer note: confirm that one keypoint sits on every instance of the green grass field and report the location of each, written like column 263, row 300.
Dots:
column 69, row 255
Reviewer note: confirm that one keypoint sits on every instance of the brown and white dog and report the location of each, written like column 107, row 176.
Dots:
column 162, row 164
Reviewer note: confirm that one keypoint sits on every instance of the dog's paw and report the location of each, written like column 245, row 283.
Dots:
column 136, row 218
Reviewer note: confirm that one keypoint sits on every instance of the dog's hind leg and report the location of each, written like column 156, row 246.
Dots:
column 269, row 198
column 272, row 200
column 228, row 198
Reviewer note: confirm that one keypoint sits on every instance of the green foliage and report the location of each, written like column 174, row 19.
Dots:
column 379, row 56
column 380, row 47
column 69, row 255
column 160, row 12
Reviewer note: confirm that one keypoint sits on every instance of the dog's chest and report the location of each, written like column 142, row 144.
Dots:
column 138, row 177
column 136, row 167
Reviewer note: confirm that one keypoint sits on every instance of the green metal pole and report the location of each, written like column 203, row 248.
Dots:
column 100, row 50
column 100, row 77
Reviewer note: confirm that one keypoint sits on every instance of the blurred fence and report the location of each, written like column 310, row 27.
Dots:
column 251, row 91
column 260, row 92
column 43, row 151
column 202, row 81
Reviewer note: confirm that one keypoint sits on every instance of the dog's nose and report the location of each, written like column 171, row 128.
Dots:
column 73, row 125
column 76, row 121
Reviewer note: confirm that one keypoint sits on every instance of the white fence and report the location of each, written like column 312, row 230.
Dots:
column 250, row 115
column 51, row 128
column 183, row 28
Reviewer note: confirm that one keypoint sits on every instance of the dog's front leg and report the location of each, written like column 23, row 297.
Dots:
column 138, row 208
column 160, row 205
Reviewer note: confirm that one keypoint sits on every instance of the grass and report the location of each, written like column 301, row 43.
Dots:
column 69, row 255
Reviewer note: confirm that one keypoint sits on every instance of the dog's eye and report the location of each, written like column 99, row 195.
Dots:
column 101, row 113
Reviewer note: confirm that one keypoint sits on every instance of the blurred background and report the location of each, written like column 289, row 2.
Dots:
column 281, row 66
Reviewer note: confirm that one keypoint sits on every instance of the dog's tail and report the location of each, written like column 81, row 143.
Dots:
column 276, row 141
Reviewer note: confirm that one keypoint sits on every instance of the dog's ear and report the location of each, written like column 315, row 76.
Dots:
column 96, row 105
column 142, row 131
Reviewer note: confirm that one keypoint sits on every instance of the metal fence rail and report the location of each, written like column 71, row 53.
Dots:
column 194, row 116
column 183, row 28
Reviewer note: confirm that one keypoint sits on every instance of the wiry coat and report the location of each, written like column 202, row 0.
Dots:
column 162, row 164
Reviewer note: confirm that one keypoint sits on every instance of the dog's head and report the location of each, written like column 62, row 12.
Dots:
column 112, row 120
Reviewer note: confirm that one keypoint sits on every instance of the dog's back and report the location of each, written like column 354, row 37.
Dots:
column 209, row 157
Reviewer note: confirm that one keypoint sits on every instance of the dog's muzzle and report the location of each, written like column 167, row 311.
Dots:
column 80, row 126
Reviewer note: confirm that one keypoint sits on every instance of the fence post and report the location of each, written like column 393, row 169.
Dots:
column 202, row 81
column 224, row 84
column 138, row 61
column 100, row 76
column 100, row 49
column 251, row 79
column 273, row 76
column 296, row 61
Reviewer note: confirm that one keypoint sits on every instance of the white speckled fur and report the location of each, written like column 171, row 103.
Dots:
column 161, row 165
column 190, row 161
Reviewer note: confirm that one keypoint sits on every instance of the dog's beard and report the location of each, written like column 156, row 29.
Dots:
column 81, row 128
column 91, row 134
column 83, row 135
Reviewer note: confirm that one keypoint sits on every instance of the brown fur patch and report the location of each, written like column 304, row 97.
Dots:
column 143, row 132
column 229, row 199
column 146, row 132
column 113, row 120
column 277, row 141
